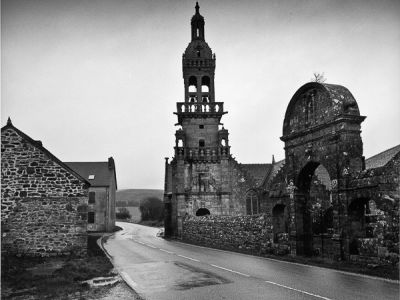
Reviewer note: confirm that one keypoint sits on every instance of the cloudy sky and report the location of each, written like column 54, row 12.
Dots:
column 99, row 78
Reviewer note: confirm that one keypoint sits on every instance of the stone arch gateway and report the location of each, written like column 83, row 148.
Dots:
column 322, row 126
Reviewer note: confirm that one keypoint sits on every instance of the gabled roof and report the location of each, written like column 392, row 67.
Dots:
column 381, row 159
column 39, row 146
column 257, row 171
column 103, row 172
column 276, row 166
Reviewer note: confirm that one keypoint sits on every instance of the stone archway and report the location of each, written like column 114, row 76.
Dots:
column 322, row 126
column 313, row 208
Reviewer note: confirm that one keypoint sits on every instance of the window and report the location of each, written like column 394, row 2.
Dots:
column 198, row 54
column 192, row 84
column 252, row 204
column 309, row 109
column 205, row 84
column 198, row 32
column 91, row 177
column 201, row 143
column 91, row 217
column 201, row 126
column 92, row 197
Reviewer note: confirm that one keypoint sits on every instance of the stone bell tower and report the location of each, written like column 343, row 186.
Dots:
column 199, row 115
column 198, row 179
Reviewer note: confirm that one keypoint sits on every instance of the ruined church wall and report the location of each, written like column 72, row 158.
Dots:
column 381, row 188
column 43, row 205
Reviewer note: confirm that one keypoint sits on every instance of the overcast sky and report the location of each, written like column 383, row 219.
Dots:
column 98, row 78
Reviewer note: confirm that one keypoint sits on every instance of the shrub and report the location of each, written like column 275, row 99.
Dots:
column 152, row 208
column 123, row 213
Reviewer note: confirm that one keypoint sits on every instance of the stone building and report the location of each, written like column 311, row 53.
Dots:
column 324, row 199
column 202, row 177
column 103, row 185
column 43, row 201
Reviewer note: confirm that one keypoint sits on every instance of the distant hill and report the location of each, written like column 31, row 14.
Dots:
column 132, row 197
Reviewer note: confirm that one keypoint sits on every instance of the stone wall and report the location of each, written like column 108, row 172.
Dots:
column 43, row 203
column 45, row 227
column 239, row 233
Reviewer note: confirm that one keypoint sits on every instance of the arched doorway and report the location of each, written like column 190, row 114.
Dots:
column 313, row 207
column 202, row 212
column 359, row 219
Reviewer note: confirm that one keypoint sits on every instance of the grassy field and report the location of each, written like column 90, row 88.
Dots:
column 134, row 196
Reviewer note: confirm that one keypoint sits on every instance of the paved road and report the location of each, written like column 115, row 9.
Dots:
column 160, row 269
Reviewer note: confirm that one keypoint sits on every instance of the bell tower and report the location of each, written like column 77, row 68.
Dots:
column 200, row 175
column 199, row 114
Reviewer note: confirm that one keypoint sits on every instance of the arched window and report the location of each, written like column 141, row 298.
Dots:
column 223, row 142
column 192, row 84
column 252, row 203
column 197, row 32
column 205, row 84
column 201, row 143
column 309, row 109
column 180, row 143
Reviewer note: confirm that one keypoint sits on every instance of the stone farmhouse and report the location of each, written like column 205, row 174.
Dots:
column 102, row 191
column 324, row 199
column 43, row 201
column 45, row 209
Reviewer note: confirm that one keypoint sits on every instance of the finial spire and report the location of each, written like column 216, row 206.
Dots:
column 273, row 159
column 9, row 121
column 197, row 7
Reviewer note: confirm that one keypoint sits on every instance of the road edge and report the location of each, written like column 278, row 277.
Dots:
column 289, row 262
column 100, row 243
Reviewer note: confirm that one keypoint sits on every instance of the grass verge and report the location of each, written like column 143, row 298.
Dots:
column 52, row 278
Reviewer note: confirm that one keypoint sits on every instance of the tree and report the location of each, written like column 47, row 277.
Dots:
column 123, row 213
column 319, row 77
column 152, row 208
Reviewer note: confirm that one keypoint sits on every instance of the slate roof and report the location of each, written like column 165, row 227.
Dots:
column 257, row 171
column 381, row 159
column 101, row 171
column 38, row 144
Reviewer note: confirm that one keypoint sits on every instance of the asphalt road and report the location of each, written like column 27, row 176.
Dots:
column 161, row 269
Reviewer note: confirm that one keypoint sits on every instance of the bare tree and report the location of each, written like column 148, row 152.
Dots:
column 318, row 77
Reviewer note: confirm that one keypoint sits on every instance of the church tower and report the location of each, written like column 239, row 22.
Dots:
column 198, row 180
column 199, row 139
